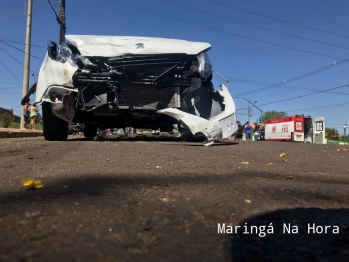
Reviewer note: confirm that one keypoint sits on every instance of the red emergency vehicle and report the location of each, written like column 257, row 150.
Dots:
column 298, row 128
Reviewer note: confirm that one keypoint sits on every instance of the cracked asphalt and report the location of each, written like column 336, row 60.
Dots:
column 162, row 199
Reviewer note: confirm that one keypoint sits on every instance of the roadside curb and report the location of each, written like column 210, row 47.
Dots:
column 18, row 133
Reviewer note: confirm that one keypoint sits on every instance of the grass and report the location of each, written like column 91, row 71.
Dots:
column 14, row 125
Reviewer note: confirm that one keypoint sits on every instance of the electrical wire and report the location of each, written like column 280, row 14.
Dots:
column 60, row 22
column 223, row 31
column 296, row 97
column 320, row 107
column 100, row 10
column 12, row 87
column 251, row 82
column 10, row 71
column 16, row 59
column 12, row 41
column 5, row 83
column 276, row 19
column 20, row 50
column 297, row 78
column 259, row 27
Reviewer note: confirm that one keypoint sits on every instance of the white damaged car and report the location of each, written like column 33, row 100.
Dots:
column 122, row 81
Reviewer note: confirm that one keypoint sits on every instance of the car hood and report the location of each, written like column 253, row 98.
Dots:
column 108, row 46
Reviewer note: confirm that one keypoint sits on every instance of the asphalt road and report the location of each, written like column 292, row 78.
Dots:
column 152, row 200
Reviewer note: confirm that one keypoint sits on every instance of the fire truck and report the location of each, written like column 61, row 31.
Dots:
column 298, row 128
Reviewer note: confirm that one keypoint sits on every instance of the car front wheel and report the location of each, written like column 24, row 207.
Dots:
column 90, row 131
column 54, row 128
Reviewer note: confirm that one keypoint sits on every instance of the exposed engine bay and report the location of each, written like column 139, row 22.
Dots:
column 124, row 81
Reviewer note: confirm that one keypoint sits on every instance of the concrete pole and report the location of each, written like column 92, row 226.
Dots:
column 248, row 110
column 62, row 25
column 27, row 57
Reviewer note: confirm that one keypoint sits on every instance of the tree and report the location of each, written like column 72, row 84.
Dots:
column 272, row 114
column 331, row 133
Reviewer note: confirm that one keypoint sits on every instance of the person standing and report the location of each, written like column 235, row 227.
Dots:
column 248, row 131
column 256, row 132
column 262, row 133
column 26, row 114
column 33, row 112
column 238, row 135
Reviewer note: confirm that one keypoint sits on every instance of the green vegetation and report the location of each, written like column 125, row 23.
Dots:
column 14, row 125
column 5, row 120
column 332, row 133
column 272, row 114
column 38, row 126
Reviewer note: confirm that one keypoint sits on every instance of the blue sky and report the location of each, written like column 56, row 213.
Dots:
column 281, row 54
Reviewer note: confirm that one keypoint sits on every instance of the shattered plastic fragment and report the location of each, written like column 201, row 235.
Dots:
column 282, row 155
column 245, row 163
column 248, row 201
column 28, row 182
column 269, row 164
column 38, row 184
column 285, row 160
column 31, row 184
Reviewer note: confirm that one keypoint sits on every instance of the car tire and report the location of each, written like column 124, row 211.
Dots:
column 90, row 131
column 54, row 128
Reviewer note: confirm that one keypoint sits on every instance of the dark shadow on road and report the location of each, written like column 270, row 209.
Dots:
column 307, row 245
column 95, row 185
column 131, row 138
column 145, row 138
column 120, row 193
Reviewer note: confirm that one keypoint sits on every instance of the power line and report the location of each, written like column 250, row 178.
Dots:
column 334, row 124
column 299, row 77
column 296, row 97
column 259, row 27
column 5, row 83
column 246, row 81
column 281, row 58
column 320, row 107
column 12, row 87
column 276, row 19
column 100, row 10
column 19, row 49
column 12, row 41
column 15, row 59
column 225, row 32
column 10, row 71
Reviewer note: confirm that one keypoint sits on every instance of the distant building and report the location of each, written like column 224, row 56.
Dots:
column 9, row 112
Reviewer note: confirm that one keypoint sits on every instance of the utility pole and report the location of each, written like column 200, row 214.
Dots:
column 248, row 110
column 25, row 86
column 62, row 22
column 250, row 105
column 345, row 133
